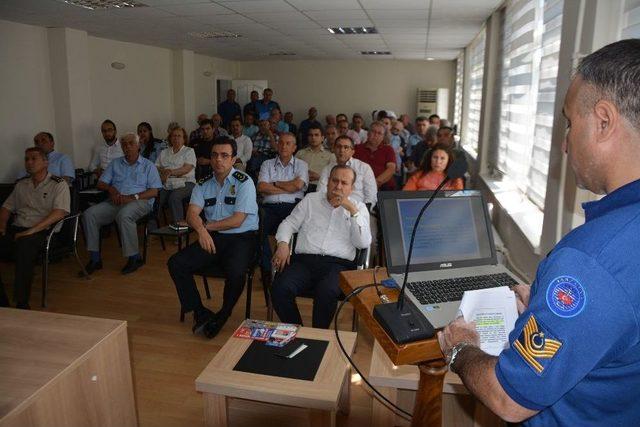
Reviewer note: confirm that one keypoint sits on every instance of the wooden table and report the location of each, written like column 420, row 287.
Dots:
column 328, row 392
column 61, row 370
column 426, row 354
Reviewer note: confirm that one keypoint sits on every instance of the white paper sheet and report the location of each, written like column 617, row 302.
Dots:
column 495, row 312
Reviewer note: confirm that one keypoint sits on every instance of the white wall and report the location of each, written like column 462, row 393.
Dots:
column 142, row 91
column 205, row 85
column 26, row 104
column 349, row 86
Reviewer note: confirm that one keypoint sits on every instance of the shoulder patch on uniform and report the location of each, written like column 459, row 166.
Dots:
column 566, row 297
column 240, row 176
column 536, row 345
column 57, row 178
column 204, row 179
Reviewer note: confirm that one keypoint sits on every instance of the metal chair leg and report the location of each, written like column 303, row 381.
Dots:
column 206, row 287
column 45, row 277
column 247, row 314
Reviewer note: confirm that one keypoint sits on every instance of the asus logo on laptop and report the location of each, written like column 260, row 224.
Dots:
column 446, row 265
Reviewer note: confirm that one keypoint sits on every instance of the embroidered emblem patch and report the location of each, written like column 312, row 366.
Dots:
column 536, row 345
column 566, row 296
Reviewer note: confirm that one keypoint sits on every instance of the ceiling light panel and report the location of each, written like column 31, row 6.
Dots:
column 375, row 52
column 104, row 4
column 353, row 31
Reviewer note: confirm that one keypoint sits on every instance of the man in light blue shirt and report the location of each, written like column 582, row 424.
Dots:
column 282, row 183
column 276, row 121
column 59, row 164
column 227, row 238
column 265, row 105
column 132, row 183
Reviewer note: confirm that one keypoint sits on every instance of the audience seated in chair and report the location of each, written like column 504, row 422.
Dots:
column 315, row 155
column 150, row 146
column 202, row 148
column 419, row 150
column 343, row 129
column 305, row 125
column 330, row 228
column 282, row 183
column 132, row 183
column 433, row 171
column 227, row 237
column 365, row 189
column 38, row 202
column 218, row 129
column 176, row 166
column 377, row 152
column 265, row 105
column 243, row 142
column 265, row 146
column 357, row 123
column 250, row 128
column 107, row 150
column 196, row 134
column 59, row 164
column 330, row 135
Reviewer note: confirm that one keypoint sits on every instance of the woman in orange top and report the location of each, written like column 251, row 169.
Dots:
column 433, row 170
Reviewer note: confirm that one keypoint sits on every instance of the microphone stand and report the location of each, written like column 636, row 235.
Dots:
column 407, row 324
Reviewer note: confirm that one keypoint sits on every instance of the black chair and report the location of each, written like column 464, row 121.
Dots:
column 361, row 261
column 61, row 241
column 216, row 272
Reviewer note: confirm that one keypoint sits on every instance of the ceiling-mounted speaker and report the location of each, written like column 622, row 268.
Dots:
column 118, row 65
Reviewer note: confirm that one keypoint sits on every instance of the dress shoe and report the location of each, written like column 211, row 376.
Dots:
column 91, row 267
column 132, row 265
column 212, row 327
column 200, row 319
column 23, row 306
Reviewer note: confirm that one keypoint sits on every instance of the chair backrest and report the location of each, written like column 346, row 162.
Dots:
column 65, row 238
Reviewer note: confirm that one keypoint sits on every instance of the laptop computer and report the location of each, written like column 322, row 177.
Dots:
column 453, row 251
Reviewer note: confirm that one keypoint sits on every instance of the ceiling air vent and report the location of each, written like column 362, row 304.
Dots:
column 214, row 35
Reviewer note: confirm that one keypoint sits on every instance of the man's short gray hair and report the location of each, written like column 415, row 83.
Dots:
column 343, row 167
column 130, row 135
column 614, row 72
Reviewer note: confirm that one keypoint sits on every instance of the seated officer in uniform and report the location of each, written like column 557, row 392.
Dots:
column 330, row 227
column 38, row 201
column 574, row 354
column 227, row 237
column 132, row 183
column 282, row 182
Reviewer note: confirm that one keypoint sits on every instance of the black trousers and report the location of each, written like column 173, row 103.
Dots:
column 274, row 214
column 234, row 253
column 309, row 275
column 25, row 252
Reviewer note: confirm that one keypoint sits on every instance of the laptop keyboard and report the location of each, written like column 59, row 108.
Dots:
column 445, row 290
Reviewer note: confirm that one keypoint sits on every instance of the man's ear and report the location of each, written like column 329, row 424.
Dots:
column 608, row 119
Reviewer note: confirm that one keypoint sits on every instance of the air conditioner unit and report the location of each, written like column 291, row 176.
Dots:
column 433, row 101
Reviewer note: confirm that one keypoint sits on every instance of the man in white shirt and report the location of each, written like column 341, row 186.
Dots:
column 282, row 182
column 244, row 143
column 330, row 227
column 365, row 189
column 104, row 152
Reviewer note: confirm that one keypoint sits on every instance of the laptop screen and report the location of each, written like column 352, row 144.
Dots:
column 453, row 232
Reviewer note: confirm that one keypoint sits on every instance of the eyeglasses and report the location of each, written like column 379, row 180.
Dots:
column 223, row 156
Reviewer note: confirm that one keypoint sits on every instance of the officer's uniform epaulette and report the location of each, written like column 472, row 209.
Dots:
column 240, row 176
column 205, row 179
column 57, row 178
column 23, row 178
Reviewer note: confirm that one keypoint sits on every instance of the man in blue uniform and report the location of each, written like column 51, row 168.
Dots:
column 227, row 237
column 132, row 183
column 574, row 355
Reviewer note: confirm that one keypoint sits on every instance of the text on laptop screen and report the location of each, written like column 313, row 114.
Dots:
column 451, row 229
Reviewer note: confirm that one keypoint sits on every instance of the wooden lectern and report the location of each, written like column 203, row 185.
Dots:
column 426, row 354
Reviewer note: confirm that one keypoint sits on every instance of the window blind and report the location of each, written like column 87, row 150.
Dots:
column 474, row 101
column 531, row 44
column 457, row 101
column 630, row 20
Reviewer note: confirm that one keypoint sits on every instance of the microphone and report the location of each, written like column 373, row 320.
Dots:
column 406, row 323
